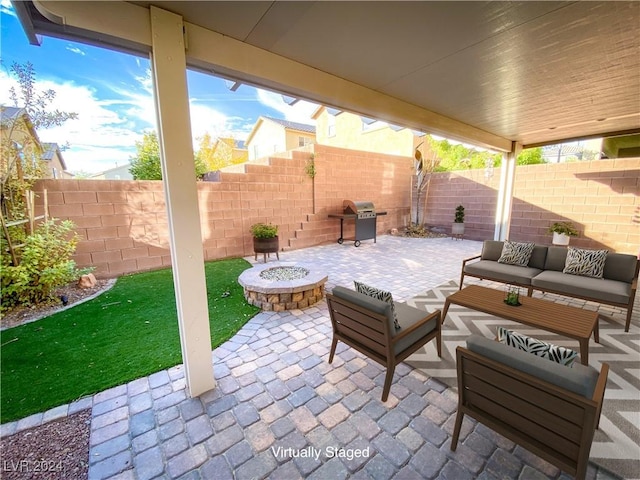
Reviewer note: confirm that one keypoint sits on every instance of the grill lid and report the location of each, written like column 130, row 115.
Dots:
column 350, row 206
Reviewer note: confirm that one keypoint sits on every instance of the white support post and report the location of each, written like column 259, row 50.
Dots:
column 178, row 173
column 505, row 194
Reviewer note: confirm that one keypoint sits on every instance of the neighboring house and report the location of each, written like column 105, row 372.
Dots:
column 54, row 163
column 342, row 129
column 271, row 135
column 624, row 146
column 228, row 151
column 16, row 128
column 573, row 151
column 117, row 173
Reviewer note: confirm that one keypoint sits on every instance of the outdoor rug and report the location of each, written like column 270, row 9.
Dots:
column 616, row 445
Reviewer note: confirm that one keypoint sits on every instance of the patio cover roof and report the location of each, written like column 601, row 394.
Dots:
column 499, row 75
column 489, row 73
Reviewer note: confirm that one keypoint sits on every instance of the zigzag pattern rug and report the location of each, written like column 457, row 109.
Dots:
column 616, row 445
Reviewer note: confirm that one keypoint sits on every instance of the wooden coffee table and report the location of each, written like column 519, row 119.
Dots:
column 571, row 322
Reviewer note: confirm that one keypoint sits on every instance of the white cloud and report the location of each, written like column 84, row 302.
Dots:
column 106, row 130
column 99, row 136
column 73, row 49
column 6, row 8
column 300, row 112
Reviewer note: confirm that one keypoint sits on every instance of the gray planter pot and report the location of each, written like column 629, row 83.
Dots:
column 457, row 228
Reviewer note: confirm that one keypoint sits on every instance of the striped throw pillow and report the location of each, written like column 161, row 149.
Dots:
column 380, row 295
column 587, row 263
column 562, row 355
column 516, row 253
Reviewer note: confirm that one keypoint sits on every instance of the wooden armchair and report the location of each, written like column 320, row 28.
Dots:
column 366, row 324
column 550, row 409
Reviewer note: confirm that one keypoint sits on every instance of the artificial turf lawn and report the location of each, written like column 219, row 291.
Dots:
column 127, row 332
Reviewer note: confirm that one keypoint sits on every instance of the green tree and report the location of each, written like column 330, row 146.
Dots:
column 530, row 156
column 21, row 161
column 218, row 153
column 145, row 165
column 458, row 157
column 36, row 103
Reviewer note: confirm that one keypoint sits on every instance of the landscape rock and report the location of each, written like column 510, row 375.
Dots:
column 87, row 281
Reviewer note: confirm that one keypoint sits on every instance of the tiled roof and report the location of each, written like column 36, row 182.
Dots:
column 49, row 150
column 303, row 127
column 9, row 114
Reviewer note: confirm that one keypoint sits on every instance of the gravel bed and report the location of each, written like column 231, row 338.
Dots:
column 284, row 273
column 57, row 450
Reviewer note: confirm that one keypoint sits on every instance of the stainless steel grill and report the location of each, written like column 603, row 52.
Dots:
column 365, row 216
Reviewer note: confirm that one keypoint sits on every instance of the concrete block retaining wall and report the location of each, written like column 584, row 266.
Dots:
column 600, row 197
column 123, row 224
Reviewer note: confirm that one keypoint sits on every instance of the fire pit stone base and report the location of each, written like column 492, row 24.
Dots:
column 282, row 287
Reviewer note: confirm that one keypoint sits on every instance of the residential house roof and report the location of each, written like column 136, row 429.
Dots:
column 9, row 114
column 232, row 142
column 120, row 172
column 49, row 150
column 301, row 127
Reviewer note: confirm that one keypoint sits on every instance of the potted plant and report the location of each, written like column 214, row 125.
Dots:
column 265, row 239
column 512, row 296
column 457, row 228
column 562, row 231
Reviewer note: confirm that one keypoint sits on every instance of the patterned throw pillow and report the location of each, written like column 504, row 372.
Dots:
column 562, row 355
column 516, row 253
column 380, row 295
column 587, row 263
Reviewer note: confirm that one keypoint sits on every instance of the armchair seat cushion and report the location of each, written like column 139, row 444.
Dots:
column 407, row 317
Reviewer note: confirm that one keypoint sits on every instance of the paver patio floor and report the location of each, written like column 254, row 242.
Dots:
column 281, row 411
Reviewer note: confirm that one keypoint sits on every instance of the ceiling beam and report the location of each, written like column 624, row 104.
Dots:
column 215, row 53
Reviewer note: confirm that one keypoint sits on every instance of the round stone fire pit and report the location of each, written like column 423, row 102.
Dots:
column 286, row 286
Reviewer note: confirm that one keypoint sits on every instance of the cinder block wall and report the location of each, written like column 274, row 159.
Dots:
column 123, row 224
column 600, row 197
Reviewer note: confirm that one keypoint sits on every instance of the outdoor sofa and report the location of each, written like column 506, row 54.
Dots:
column 544, row 272
column 548, row 408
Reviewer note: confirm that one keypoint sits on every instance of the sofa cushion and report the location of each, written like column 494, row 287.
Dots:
column 380, row 295
column 516, row 253
column 586, row 263
column 555, row 353
column 620, row 266
column 501, row 271
column 538, row 257
column 491, row 250
column 556, row 258
column 408, row 316
column 574, row 285
column 580, row 379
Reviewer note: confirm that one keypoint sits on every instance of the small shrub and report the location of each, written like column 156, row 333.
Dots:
column 564, row 227
column 263, row 230
column 45, row 264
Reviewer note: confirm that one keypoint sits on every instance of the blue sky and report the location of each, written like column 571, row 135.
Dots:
column 112, row 94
